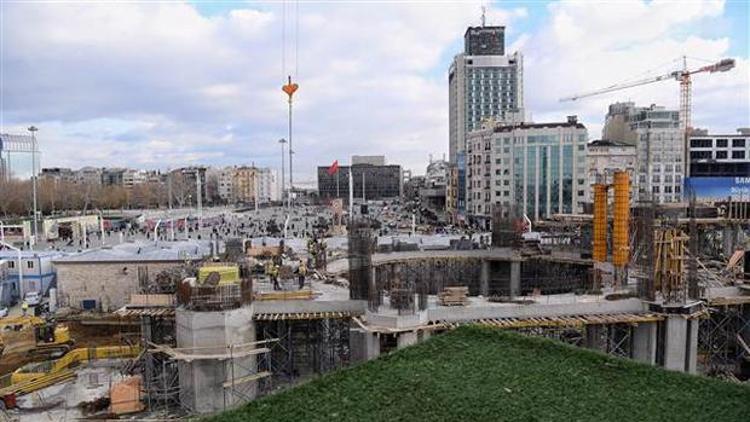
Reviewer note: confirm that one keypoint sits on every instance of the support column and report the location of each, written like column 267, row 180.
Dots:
column 515, row 278
column 676, row 343
column 691, row 361
column 407, row 338
column 593, row 337
column 484, row 279
column 364, row 345
column 644, row 343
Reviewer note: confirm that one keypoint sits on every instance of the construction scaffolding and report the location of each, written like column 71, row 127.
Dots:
column 305, row 347
column 723, row 338
column 669, row 265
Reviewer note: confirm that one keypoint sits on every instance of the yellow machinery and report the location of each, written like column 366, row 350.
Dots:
column 620, row 241
column 600, row 223
column 34, row 335
column 35, row 371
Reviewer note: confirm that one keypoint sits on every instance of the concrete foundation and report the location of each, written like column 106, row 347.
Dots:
column 202, row 381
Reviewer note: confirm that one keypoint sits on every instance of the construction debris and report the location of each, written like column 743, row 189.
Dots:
column 454, row 296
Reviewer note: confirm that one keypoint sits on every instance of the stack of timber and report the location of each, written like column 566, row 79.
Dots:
column 454, row 296
column 286, row 295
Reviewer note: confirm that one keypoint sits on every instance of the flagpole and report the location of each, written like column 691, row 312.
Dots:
column 338, row 194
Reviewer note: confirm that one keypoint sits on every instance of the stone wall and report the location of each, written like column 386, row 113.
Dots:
column 110, row 284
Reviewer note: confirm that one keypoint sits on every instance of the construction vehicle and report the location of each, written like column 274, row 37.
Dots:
column 35, row 336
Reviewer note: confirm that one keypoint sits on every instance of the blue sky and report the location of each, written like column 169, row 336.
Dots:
column 157, row 85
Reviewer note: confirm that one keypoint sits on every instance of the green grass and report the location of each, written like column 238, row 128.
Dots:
column 482, row 374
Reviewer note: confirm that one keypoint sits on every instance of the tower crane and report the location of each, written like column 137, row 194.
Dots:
column 683, row 75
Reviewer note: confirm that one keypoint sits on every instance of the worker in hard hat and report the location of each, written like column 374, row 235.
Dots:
column 301, row 272
column 275, row 276
column 24, row 308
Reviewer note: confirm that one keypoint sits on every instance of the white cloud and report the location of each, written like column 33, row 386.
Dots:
column 158, row 84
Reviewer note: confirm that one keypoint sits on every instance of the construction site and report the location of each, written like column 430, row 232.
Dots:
column 666, row 287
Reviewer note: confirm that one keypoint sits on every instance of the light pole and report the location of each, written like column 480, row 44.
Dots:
column 282, row 141
column 33, row 131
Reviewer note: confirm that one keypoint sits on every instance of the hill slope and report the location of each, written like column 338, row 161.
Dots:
column 482, row 374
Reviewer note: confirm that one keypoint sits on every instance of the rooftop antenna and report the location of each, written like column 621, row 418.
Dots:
column 484, row 10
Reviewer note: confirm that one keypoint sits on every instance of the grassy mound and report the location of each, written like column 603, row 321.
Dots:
column 483, row 374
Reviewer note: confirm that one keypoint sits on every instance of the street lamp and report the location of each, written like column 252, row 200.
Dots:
column 282, row 141
column 33, row 131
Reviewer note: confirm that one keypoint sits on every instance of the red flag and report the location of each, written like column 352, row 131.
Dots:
column 334, row 168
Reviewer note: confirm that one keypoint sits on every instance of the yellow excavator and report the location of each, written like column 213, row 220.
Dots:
column 34, row 335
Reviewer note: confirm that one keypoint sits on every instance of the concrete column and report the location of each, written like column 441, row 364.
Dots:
column 364, row 345
column 676, row 343
column 644, row 343
column 407, row 338
column 484, row 279
column 515, row 278
column 593, row 337
column 692, row 346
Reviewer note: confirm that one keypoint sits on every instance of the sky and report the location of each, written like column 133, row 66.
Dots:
column 164, row 84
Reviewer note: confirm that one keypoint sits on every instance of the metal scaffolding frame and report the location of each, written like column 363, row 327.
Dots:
column 719, row 346
column 305, row 347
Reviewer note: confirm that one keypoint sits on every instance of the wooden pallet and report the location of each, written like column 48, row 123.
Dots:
column 454, row 296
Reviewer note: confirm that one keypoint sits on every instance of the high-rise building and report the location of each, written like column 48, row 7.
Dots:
column 483, row 84
column 538, row 167
column 660, row 147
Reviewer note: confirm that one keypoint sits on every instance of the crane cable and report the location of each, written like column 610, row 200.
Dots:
column 285, row 73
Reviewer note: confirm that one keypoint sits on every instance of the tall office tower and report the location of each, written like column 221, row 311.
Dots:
column 483, row 84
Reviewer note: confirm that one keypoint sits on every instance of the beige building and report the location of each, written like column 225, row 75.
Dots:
column 103, row 279
column 244, row 184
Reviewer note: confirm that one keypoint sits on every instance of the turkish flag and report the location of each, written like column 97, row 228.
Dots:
column 334, row 168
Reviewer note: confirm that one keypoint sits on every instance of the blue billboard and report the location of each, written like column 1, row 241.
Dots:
column 718, row 188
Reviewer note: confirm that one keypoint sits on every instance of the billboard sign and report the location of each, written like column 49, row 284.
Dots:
column 718, row 188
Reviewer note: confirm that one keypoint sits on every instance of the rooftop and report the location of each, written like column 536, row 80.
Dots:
column 145, row 251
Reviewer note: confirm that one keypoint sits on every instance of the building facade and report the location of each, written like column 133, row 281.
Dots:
column 267, row 188
column 540, row 168
column 605, row 157
column 660, row 148
column 379, row 182
column 373, row 160
column 719, row 166
column 483, row 83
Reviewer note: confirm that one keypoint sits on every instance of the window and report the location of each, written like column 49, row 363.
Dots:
column 655, row 189
column 700, row 143
column 698, row 155
column 738, row 154
column 580, row 193
column 720, row 155
column 30, row 264
column 11, row 264
column 738, row 143
column 506, row 193
column 721, row 143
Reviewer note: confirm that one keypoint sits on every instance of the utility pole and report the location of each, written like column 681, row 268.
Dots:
column 282, row 141
column 169, row 187
column 33, row 131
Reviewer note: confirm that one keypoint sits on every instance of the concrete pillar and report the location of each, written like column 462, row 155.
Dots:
column 484, row 279
column 407, row 338
column 692, row 346
column 515, row 278
column 364, row 345
column 593, row 337
column 680, row 343
column 203, row 381
column 644, row 343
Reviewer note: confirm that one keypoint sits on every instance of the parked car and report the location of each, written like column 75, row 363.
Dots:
column 32, row 298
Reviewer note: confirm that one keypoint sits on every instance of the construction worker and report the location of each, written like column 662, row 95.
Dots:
column 301, row 272
column 275, row 276
column 24, row 307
